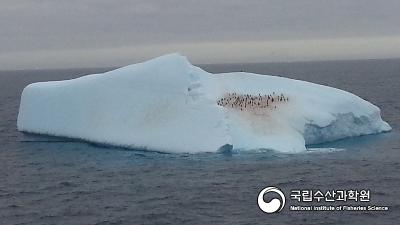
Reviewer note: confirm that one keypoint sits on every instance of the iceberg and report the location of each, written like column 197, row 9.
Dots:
column 167, row 104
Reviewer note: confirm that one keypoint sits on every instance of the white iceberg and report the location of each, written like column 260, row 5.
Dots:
column 166, row 104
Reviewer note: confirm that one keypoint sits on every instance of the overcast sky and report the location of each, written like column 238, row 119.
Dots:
column 97, row 33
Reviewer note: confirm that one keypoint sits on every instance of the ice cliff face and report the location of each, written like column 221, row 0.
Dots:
column 167, row 104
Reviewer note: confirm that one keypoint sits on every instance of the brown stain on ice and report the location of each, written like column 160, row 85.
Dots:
column 259, row 112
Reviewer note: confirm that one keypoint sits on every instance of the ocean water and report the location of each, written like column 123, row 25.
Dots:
column 47, row 180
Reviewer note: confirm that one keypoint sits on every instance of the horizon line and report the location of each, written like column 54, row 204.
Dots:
column 208, row 64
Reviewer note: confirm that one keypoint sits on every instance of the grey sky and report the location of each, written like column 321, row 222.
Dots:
column 79, row 33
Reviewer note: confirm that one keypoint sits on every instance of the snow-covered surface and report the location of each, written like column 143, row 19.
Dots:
column 167, row 104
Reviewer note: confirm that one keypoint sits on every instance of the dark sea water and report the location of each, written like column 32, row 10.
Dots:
column 45, row 180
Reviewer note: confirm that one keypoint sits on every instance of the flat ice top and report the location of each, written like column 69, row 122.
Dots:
column 167, row 104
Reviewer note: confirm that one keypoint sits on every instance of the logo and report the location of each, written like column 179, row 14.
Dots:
column 275, row 205
column 312, row 200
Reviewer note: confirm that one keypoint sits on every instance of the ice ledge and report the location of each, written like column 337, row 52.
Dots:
column 345, row 125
